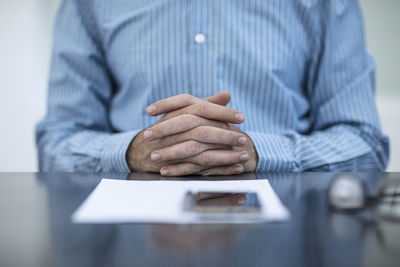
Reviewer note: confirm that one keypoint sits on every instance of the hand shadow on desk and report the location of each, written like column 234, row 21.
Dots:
column 147, row 176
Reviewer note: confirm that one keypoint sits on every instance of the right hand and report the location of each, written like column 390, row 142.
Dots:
column 193, row 137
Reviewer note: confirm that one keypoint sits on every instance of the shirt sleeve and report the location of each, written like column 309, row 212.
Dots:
column 346, row 134
column 76, row 134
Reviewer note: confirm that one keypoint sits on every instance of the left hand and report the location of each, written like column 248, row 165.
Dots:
column 174, row 109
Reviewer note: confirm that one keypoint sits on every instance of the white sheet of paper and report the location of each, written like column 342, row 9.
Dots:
column 127, row 201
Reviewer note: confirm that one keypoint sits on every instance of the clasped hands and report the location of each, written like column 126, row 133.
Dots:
column 194, row 136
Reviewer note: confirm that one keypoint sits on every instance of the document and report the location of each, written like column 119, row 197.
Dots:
column 127, row 201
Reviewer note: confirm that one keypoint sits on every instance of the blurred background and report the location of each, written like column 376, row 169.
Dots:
column 25, row 30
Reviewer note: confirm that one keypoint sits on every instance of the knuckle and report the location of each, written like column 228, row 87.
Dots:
column 184, row 118
column 196, row 133
column 194, row 147
column 205, row 159
column 187, row 98
column 192, row 169
column 203, row 108
column 178, row 153
column 189, row 119
column 201, row 133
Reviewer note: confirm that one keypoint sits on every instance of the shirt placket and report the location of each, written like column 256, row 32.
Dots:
column 199, row 43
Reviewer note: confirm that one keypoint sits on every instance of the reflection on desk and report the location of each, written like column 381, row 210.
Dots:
column 315, row 236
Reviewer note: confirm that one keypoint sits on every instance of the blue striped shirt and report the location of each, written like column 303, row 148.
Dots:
column 297, row 69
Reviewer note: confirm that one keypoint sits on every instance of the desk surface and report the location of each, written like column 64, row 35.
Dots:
column 36, row 230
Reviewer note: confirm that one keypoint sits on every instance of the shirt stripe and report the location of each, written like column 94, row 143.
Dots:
column 297, row 69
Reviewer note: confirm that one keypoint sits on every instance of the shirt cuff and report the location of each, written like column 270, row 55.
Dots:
column 274, row 152
column 114, row 153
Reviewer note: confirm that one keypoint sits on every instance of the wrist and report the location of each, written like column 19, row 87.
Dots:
column 251, row 164
column 131, row 153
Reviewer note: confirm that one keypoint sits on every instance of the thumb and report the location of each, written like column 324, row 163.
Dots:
column 221, row 98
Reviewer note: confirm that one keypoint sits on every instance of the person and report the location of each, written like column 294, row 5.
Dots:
column 211, row 88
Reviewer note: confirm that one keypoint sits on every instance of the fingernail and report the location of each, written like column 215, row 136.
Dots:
column 164, row 171
column 239, row 169
column 241, row 200
column 242, row 140
column 155, row 156
column 150, row 109
column 244, row 157
column 239, row 117
column 148, row 134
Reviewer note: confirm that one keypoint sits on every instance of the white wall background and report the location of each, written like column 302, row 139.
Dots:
column 25, row 30
column 24, row 56
column 382, row 22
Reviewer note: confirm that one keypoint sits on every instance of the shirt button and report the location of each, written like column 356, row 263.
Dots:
column 199, row 38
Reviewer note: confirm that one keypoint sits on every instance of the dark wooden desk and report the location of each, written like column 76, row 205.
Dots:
column 36, row 229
